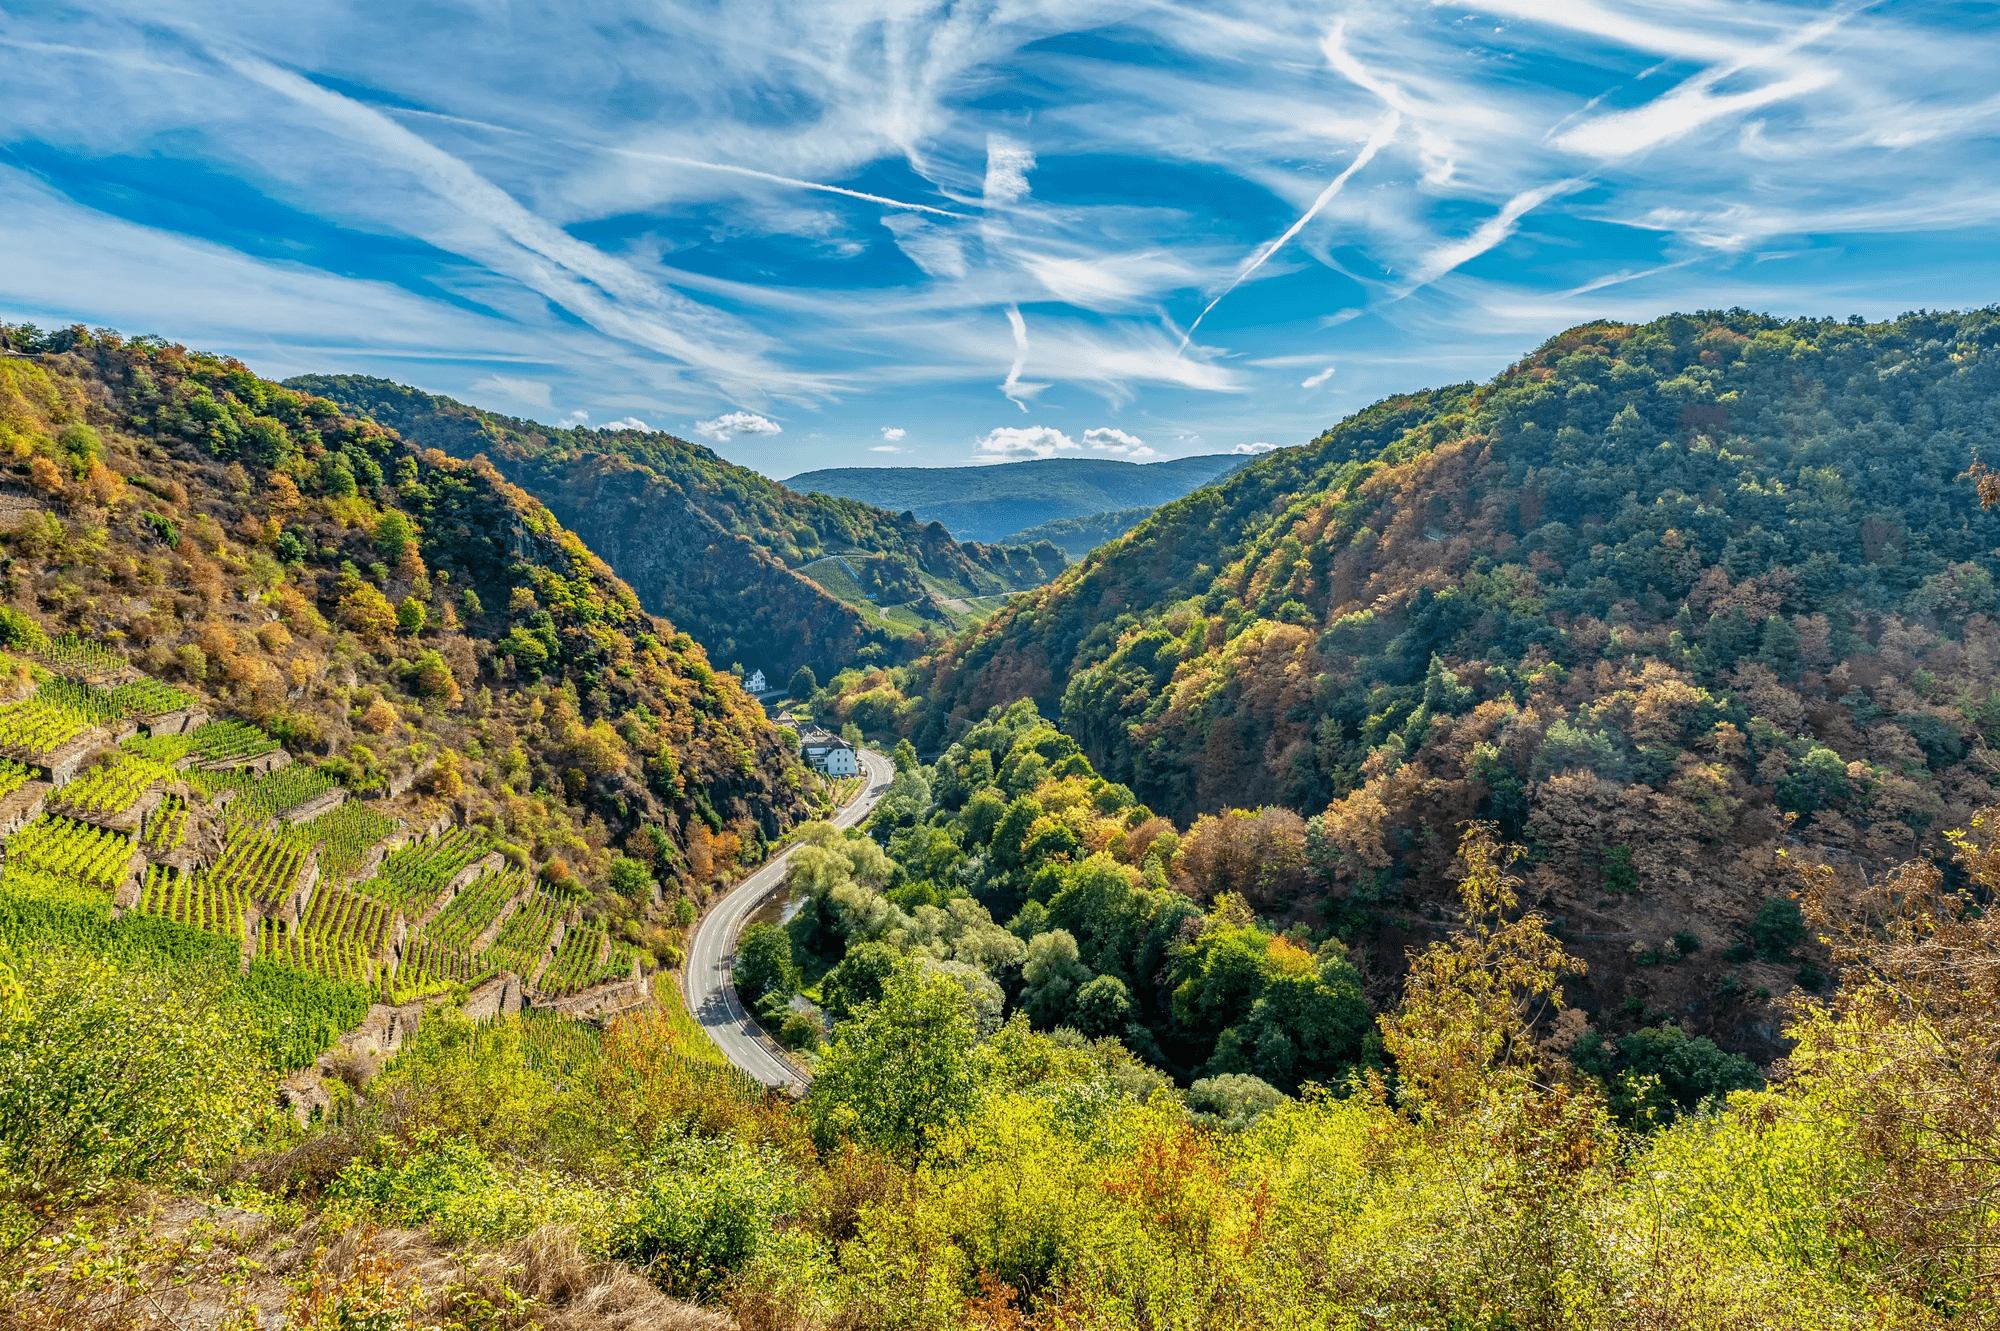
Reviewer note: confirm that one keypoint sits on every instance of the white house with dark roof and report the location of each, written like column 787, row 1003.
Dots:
column 828, row 753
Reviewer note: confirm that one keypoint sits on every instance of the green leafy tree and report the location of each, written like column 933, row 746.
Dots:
column 903, row 1072
column 705, row 1208
column 803, row 685
column 764, row 966
column 857, row 981
column 410, row 615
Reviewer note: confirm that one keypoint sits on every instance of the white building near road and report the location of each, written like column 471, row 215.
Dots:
column 754, row 682
column 829, row 753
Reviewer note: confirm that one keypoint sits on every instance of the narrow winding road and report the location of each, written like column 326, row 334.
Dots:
column 711, row 992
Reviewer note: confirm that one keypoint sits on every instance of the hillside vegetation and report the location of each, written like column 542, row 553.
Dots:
column 1647, row 595
column 760, row 575
column 987, row 503
column 1077, row 537
column 398, row 624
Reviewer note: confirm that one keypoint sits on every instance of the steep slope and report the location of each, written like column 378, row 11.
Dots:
column 1645, row 595
column 389, row 612
column 987, row 503
column 761, row 576
column 1077, row 537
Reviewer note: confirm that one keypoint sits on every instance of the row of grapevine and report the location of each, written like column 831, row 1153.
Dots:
column 346, row 833
column 577, row 963
column 13, row 776
column 35, row 726
column 89, row 857
column 70, row 652
column 94, row 706
column 411, row 876
column 265, row 865
column 111, row 787
column 166, row 826
column 524, row 939
column 260, row 798
column 145, row 696
column 318, row 953
column 168, row 749
column 618, row 962
column 295, row 1013
column 195, row 900
column 476, row 906
column 344, row 917
column 225, row 741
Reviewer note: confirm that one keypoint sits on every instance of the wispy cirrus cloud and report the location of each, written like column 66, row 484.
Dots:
column 906, row 210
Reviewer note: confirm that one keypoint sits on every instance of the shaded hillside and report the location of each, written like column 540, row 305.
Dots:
column 1077, row 537
column 1645, row 595
column 403, row 619
column 721, row 550
column 987, row 503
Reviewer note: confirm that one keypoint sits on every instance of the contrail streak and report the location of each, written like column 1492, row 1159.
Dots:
column 1385, row 129
column 755, row 174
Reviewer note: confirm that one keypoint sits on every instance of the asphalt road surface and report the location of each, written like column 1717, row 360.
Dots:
column 712, row 952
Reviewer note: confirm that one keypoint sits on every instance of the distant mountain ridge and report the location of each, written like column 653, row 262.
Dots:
column 988, row 503
column 1077, row 537
column 721, row 550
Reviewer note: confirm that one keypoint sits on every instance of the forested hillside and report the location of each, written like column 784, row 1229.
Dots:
column 987, row 503
column 1644, row 597
column 1077, row 537
column 403, row 621
column 762, row 576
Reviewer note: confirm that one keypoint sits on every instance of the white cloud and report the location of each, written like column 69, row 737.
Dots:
column 1007, row 166
column 575, row 418
column 1117, row 441
column 532, row 391
column 1024, row 441
column 629, row 423
column 1259, row 447
column 1316, row 380
column 734, row 423
column 887, row 448
column 893, row 432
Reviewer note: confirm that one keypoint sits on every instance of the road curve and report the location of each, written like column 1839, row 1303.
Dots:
column 711, row 992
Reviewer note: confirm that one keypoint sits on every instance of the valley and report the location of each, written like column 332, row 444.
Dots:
column 1654, row 676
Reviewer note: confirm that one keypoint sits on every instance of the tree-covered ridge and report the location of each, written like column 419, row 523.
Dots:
column 393, row 614
column 1639, row 599
column 987, row 502
column 759, row 574
column 1077, row 537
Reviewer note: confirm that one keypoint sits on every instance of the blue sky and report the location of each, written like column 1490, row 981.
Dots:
column 823, row 233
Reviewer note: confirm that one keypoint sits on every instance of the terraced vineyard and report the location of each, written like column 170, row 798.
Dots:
column 618, row 962
column 477, row 905
column 13, row 776
column 168, row 749
column 166, row 826
column 194, row 900
column 111, row 788
column 230, row 741
column 342, row 916
column 296, row 1013
column 412, row 876
column 71, row 653
column 524, row 939
column 93, row 705
column 261, row 798
column 324, row 950
column 36, row 726
column 346, row 833
column 72, row 853
column 264, row 865
column 577, row 963
column 150, row 697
